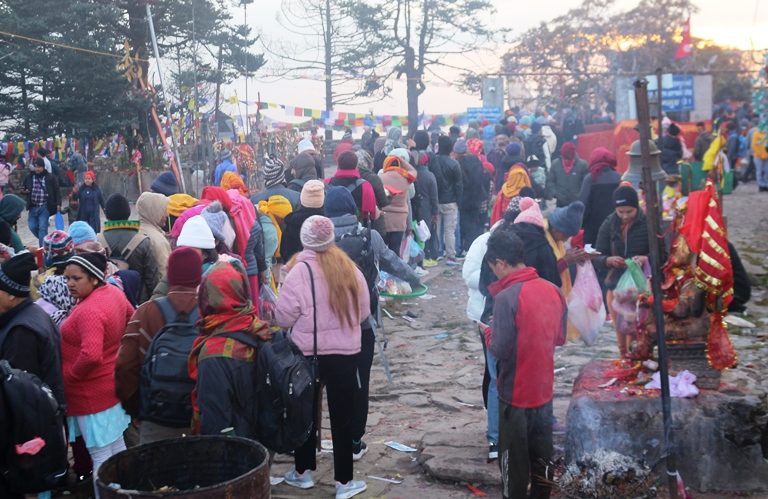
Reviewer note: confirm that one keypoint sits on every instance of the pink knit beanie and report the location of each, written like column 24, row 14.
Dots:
column 530, row 212
column 317, row 233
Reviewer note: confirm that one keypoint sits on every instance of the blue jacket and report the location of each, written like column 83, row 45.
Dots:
column 224, row 166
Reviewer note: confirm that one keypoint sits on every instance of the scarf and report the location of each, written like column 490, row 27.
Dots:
column 225, row 307
column 368, row 203
column 231, row 180
column 392, row 164
column 517, row 178
column 475, row 146
column 243, row 216
column 568, row 153
column 276, row 208
column 212, row 193
column 601, row 159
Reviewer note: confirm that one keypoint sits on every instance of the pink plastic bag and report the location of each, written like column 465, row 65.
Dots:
column 586, row 310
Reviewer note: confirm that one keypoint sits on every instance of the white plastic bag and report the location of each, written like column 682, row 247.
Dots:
column 422, row 231
column 586, row 309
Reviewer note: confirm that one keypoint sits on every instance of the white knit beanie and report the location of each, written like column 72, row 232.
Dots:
column 196, row 234
column 317, row 233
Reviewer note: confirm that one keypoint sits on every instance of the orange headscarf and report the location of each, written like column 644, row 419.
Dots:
column 231, row 180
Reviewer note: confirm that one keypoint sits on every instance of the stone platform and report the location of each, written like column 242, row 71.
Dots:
column 720, row 436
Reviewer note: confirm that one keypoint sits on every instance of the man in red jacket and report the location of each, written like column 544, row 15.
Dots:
column 529, row 320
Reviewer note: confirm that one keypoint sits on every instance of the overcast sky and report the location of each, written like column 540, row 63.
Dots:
column 738, row 23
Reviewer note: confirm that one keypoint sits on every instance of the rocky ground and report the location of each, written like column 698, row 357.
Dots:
column 434, row 403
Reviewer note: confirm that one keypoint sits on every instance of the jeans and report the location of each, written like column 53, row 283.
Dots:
column 492, row 408
column 525, row 451
column 38, row 222
column 446, row 228
column 761, row 172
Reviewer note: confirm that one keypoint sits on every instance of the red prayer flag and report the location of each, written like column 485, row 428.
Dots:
column 685, row 49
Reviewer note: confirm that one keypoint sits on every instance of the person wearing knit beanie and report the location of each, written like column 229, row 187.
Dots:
column 567, row 219
column 217, row 220
column 185, row 267
column 165, row 184
column 196, row 233
column 274, row 173
column 625, row 195
column 305, row 145
column 530, row 213
column 338, row 202
column 514, row 149
column 313, row 194
column 58, row 247
column 81, row 232
column 117, row 208
column 347, row 160
column 94, row 264
column 317, row 233
column 15, row 278
column 460, row 146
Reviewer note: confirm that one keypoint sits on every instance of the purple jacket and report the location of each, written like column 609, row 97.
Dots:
column 294, row 310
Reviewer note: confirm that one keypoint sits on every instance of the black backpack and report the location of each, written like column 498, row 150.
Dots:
column 165, row 388
column 535, row 146
column 358, row 246
column 33, row 412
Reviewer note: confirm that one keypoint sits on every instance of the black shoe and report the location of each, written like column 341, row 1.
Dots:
column 358, row 450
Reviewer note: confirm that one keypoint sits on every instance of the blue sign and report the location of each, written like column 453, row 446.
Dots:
column 480, row 113
column 677, row 93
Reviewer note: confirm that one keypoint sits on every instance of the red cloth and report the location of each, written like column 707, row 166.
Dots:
column 499, row 207
column 213, row 193
column 243, row 215
column 600, row 159
column 475, row 146
column 528, row 322
column 90, row 339
column 368, row 208
column 568, row 153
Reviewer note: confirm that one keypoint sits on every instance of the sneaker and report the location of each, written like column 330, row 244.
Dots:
column 358, row 450
column 430, row 263
column 440, row 258
column 300, row 480
column 452, row 261
column 349, row 489
column 420, row 272
column 493, row 452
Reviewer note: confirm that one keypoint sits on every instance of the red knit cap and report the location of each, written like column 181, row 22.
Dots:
column 185, row 267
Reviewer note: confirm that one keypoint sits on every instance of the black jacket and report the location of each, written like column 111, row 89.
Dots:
column 450, row 183
column 537, row 254
column 671, row 153
column 226, row 396
column 53, row 202
column 611, row 243
column 475, row 183
column 597, row 197
column 290, row 243
column 30, row 341
column 425, row 204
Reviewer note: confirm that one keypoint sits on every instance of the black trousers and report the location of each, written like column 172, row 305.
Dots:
column 363, row 378
column 525, row 451
column 431, row 250
column 471, row 227
column 338, row 374
column 394, row 240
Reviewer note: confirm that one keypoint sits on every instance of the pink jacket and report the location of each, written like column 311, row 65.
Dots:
column 294, row 310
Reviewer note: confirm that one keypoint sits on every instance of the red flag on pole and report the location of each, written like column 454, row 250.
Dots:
column 685, row 49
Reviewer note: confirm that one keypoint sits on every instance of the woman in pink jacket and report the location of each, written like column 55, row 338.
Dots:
column 324, row 290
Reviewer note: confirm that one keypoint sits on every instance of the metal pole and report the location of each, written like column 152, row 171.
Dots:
column 659, row 103
column 652, row 212
column 245, row 54
column 177, row 158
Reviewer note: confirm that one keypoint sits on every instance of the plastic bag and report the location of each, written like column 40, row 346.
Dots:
column 586, row 310
column 267, row 304
column 422, row 231
column 59, row 221
column 392, row 285
column 625, row 297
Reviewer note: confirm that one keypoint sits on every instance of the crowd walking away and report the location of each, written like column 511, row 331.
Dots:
column 179, row 315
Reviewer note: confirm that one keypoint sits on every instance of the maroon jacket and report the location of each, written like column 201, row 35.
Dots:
column 529, row 320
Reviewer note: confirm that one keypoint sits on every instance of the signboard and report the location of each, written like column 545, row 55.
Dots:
column 479, row 113
column 677, row 92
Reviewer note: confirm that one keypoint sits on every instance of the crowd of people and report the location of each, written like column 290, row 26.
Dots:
column 83, row 307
